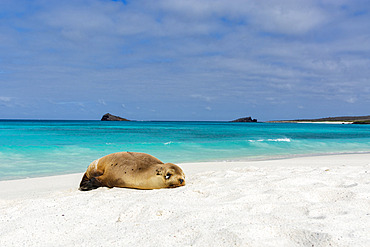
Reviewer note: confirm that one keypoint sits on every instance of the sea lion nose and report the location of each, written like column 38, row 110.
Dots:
column 181, row 180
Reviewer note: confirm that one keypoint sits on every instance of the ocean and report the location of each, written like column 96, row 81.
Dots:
column 43, row 148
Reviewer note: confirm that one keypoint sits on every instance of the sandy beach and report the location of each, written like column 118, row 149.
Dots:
column 305, row 201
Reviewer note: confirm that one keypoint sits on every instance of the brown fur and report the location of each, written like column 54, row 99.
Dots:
column 131, row 170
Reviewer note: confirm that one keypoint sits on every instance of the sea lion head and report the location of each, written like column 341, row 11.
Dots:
column 172, row 175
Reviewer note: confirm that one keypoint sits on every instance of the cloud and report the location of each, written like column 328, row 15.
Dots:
column 5, row 99
column 9, row 102
column 68, row 103
column 174, row 56
column 102, row 102
column 287, row 17
column 351, row 100
column 201, row 97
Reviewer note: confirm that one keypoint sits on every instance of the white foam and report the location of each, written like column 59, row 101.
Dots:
column 272, row 140
column 280, row 140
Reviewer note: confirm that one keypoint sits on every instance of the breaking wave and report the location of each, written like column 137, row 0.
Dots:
column 272, row 140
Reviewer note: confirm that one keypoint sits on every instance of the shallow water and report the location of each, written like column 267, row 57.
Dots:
column 41, row 148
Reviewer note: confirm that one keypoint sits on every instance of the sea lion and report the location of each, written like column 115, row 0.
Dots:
column 132, row 170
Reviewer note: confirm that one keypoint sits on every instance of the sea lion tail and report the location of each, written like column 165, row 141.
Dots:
column 89, row 183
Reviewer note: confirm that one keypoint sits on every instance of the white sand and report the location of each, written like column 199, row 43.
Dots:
column 311, row 201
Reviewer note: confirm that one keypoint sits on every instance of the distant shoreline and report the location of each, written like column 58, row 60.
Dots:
column 313, row 122
column 330, row 120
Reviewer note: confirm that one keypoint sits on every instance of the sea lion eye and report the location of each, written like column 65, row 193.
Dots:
column 168, row 175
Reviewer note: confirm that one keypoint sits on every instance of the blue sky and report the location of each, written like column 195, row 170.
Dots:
column 184, row 60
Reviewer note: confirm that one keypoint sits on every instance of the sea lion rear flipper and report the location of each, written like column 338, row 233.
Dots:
column 89, row 183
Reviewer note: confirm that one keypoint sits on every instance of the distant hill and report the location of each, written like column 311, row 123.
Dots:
column 349, row 119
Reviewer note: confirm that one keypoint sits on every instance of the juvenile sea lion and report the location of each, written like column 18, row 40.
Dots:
column 132, row 170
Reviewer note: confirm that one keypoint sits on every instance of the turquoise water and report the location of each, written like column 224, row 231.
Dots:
column 41, row 148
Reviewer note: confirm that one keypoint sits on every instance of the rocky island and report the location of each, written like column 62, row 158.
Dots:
column 110, row 117
column 244, row 120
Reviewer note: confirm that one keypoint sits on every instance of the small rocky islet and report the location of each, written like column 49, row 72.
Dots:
column 244, row 120
column 110, row 117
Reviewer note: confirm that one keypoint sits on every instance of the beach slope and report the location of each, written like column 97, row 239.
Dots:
column 306, row 201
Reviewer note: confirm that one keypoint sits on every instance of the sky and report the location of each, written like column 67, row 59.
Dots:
column 214, row 60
